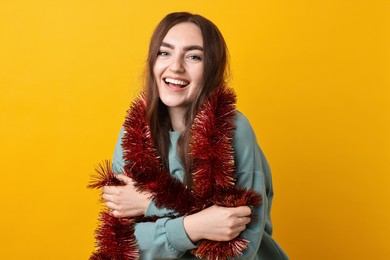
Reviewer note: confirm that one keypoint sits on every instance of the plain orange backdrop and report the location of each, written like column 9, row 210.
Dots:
column 312, row 77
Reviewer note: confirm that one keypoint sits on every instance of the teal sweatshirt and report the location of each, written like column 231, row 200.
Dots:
column 167, row 239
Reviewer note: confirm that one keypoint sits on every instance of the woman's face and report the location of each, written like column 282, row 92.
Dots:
column 179, row 66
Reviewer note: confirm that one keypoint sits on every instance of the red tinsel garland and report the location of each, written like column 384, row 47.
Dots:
column 213, row 178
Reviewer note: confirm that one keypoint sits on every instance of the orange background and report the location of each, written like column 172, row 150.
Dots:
column 312, row 77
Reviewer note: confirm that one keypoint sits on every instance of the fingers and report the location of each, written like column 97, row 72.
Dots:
column 112, row 205
column 242, row 211
column 241, row 224
column 233, row 231
column 117, row 214
column 117, row 189
column 243, row 220
column 108, row 197
column 109, row 190
column 124, row 178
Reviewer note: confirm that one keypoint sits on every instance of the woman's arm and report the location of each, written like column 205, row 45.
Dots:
column 126, row 201
column 166, row 237
column 217, row 223
column 253, row 173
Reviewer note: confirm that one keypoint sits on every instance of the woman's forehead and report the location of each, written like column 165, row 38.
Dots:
column 184, row 34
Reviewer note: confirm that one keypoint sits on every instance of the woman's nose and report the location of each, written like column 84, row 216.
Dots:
column 176, row 65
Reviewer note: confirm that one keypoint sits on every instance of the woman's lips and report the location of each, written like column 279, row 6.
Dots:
column 176, row 83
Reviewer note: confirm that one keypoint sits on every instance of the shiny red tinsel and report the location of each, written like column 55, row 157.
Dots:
column 213, row 176
column 115, row 239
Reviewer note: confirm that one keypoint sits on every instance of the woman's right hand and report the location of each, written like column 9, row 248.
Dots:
column 125, row 201
column 217, row 223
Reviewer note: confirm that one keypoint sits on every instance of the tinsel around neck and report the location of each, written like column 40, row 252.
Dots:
column 213, row 172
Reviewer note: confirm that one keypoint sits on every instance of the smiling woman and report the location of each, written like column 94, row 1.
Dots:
column 178, row 70
column 188, row 179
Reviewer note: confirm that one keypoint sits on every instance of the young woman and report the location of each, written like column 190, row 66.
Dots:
column 195, row 183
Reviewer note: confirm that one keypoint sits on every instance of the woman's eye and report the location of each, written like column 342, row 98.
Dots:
column 162, row 53
column 194, row 57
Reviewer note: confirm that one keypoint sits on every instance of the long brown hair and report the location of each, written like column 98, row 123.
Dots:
column 214, row 75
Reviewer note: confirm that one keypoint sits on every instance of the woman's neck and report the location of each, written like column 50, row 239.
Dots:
column 177, row 114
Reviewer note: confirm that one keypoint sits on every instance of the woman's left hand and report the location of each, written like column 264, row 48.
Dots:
column 126, row 201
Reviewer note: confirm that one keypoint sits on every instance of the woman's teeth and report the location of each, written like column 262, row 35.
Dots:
column 176, row 82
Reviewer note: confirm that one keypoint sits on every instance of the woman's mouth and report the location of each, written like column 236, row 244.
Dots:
column 176, row 83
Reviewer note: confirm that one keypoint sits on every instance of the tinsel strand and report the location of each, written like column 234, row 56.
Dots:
column 213, row 177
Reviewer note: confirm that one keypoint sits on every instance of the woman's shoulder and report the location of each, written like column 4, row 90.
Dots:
column 245, row 146
column 244, row 130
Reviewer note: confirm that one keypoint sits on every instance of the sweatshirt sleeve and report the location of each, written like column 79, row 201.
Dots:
column 253, row 172
column 166, row 237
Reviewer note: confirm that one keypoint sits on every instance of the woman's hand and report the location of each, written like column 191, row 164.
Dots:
column 217, row 223
column 125, row 201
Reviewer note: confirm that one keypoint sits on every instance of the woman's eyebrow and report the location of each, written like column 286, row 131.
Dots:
column 164, row 44
column 187, row 48
column 193, row 47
